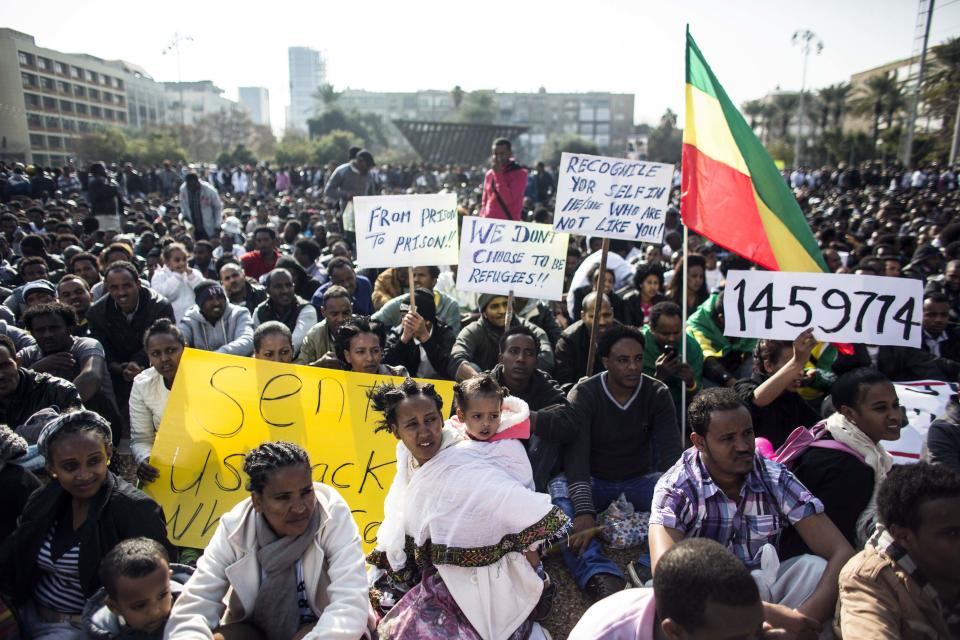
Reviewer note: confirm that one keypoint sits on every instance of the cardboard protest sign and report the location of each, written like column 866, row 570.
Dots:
column 222, row 406
column 498, row 256
column 841, row 307
column 923, row 402
column 612, row 197
column 407, row 230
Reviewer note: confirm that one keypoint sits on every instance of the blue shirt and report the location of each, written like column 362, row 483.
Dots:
column 362, row 297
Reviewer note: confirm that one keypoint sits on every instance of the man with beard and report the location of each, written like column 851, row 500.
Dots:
column 240, row 289
column 318, row 345
column 573, row 347
column 80, row 360
column 284, row 305
column 213, row 324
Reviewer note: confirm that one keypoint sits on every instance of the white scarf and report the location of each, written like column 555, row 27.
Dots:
column 875, row 457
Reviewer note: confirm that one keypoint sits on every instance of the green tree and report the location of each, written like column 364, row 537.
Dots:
column 294, row 149
column 326, row 97
column 366, row 126
column 785, row 108
column 154, row 147
column 479, row 107
column 941, row 86
column 456, row 94
column 107, row 144
column 666, row 141
column 334, row 147
column 880, row 95
column 569, row 142
column 262, row 141
column 753, row 109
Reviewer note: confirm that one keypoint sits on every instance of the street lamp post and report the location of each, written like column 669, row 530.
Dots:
column 807, row 41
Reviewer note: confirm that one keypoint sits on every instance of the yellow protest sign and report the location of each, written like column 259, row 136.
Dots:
column 223, row 406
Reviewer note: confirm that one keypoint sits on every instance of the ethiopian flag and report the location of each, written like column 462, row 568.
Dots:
column 732, row 193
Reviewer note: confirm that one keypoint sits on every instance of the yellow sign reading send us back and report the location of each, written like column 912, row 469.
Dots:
column 223, row 406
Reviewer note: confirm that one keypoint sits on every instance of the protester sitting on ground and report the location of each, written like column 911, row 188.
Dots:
column 771, row 392
column 939, row 337
column 541, row 314
column 175, row 281
column 16, row 482
column 697, row 289
column 23, row 392
column 263, row 259
column 140, row 585
column 50, row 563
column 663, row 356
column 701, row 590
column 724, row 358
column 616, row 302
column 487, row 589
column 288, row 558
column 307, row 253
column 273, row 341
column 422, row 343
column 551, row 424
column 285, row 306
column 202, row 259
column 318, row 345
column 943, row 437
column 342, row 273
column 86, row 266
column 359, row 347
column 390, row 315
column 905, row 583
column 303, row 285
column 120, row 320
column 628, row 436
column 477, row 346
column 573, row 347
column 845, row 479
column 163, row 344
column 723, row 490
column 646, row 292
column 74, row 292
column 36, row 293
column 79, row 360
column 241, row 290
column 213, row 324
column 900, row 364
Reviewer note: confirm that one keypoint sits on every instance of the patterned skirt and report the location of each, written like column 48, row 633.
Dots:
column 428, row 611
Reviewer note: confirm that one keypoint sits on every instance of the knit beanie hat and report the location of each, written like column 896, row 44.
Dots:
column 206, row 289
column 12, row 446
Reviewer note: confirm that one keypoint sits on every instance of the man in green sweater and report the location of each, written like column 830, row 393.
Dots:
column 662, row 352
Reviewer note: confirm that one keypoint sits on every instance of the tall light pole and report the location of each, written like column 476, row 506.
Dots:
column 807, row 41
column 915, row 99
column 178, row 39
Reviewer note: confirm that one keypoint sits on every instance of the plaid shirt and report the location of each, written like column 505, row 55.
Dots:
column 771, row 499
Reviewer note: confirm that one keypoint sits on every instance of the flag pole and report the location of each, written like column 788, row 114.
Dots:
column 683, row 344
column 413, row 297
column 597, row 305
column 509, row 320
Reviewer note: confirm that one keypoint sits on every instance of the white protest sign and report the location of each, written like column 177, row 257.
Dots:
column 923, row 401
column 840, row 307
column 612, row 197
column 407, row 230
column 499, row 256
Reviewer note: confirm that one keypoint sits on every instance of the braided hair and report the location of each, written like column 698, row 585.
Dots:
column 387, row 397
column 74, row 421
column 261, row 462
column 483, row 384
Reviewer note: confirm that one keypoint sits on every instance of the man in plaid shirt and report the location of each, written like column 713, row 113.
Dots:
column 722, row 490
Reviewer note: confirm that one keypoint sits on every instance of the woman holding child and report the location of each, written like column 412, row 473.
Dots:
column 459, row 516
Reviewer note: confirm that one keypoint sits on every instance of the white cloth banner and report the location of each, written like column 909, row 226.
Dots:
column 840, row 307
column 923, row 402
column 406, row 230
column 612, row 197
column 499, row 256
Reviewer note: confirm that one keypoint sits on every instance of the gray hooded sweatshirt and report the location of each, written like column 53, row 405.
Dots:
column 233, row 333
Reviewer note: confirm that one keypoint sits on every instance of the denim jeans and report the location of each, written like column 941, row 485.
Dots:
column 639, row 491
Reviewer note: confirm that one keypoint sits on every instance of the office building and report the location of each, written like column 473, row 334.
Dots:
column 256, row 100
column 307, row 74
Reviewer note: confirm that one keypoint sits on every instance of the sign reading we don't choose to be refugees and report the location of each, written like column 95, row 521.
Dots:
column 223, row 406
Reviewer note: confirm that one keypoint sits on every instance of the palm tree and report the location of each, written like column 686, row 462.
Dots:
column 785, row 105
column 767, row 117
column 941, row 86
column 457, row 95
column 874, row 96
column 327, row 96
column 753, row 109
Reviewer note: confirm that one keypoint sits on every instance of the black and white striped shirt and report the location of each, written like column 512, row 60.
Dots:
column 59, row 585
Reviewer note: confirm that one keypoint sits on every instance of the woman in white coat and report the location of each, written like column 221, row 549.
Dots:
column 175, row 280
column 289, row 556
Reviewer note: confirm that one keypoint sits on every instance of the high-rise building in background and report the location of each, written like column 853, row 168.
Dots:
column 256, row 100
column 307, row 73
column 201, row 98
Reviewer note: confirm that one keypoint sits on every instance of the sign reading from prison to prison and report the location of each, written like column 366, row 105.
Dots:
column 872, row 310
column 406, row 230
column 612, row 197
column 223, row 406
column 499, row 256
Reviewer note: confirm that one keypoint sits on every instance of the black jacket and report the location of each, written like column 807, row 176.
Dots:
column 123, row 341
column 949, row 348
column 573, row 347
column 943, row 439
column 37, row 391
column 256, row 294
column 554, row 425
column 104, row 196
column 633, row 312
column 118, row 511
column 438, row 349
column 900, row 364
column 16, row 486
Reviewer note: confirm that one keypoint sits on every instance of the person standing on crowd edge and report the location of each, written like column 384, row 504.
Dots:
column 503, row 185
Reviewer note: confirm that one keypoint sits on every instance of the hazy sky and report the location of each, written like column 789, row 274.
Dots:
column 630, row 46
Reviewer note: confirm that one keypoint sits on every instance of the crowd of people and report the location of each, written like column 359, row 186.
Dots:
column 779, row 515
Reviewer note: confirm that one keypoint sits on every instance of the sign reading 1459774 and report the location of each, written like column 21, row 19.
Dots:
column 841, row 308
